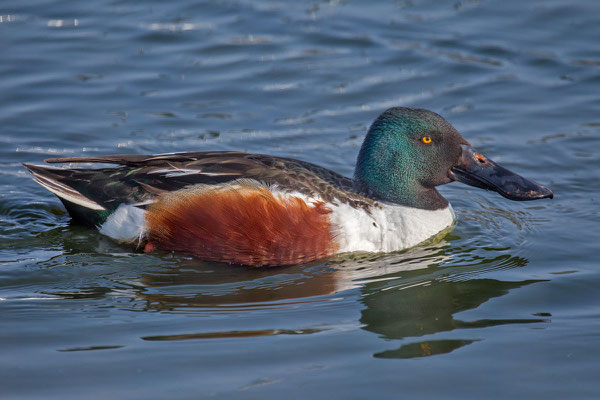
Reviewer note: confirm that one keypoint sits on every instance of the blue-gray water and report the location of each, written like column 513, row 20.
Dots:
column 505, row 306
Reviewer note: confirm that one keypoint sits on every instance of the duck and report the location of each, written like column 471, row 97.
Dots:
column 259, row 210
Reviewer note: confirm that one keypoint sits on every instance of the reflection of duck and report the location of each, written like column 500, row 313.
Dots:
column 192, row 284
column 262, row 210
column 205, row 285
column 401, row 296
column 420, row 307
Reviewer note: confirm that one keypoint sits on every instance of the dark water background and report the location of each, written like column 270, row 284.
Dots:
column 505, row 306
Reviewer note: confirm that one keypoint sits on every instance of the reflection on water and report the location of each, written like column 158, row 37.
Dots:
column 192, row 283
column 428, row 307
column 408, row 294
column 90, row 348
column 415, row 293
column 230, row 287
column 424, row 349
column 232, row 334
column 411, row 294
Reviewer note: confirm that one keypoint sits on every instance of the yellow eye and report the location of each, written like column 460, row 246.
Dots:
column 426, row 139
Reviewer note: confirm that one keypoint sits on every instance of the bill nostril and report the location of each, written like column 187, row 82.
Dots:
column 480, row 158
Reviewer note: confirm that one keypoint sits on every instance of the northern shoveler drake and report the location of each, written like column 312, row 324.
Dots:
column 260, row 210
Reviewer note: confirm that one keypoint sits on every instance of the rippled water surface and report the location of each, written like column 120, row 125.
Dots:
column 506, row 305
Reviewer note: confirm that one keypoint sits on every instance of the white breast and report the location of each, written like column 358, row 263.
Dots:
column 386, row 229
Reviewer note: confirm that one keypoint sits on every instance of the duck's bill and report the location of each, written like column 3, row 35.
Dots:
column 477, row 170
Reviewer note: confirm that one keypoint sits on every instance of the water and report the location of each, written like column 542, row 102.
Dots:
column 506, row 305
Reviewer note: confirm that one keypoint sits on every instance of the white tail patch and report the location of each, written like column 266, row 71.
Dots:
column 125, row 224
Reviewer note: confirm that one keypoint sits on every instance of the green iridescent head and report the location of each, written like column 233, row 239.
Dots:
column 406, row 153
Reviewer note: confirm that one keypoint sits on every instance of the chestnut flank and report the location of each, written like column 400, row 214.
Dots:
column 242, row 223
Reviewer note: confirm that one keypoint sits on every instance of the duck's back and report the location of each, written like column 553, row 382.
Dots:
column 140, row 178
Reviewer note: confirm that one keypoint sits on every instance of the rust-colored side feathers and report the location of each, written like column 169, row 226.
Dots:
column 241, row 223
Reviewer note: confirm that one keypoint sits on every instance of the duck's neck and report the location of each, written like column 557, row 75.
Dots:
column 426, row 199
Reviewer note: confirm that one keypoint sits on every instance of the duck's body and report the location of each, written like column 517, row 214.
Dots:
column 262, row 210
column 125, row 197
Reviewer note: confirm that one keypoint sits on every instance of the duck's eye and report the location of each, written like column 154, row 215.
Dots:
column 426, row 139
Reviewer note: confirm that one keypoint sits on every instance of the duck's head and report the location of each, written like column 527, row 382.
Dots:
column 408, row 152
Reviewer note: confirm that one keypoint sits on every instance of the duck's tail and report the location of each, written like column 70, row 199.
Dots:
column 56, row 180
column 62, row 182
